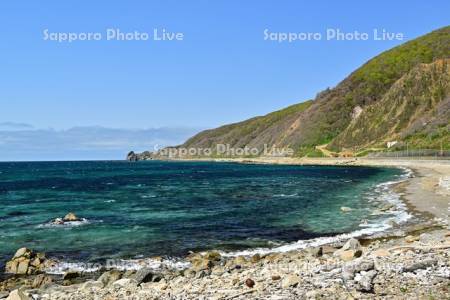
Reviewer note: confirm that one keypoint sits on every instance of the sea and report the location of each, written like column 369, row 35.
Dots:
column 133, row 212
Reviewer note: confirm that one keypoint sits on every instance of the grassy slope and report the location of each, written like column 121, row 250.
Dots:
column 256, row 131
column 331, row 113
column 414, row 108
column 319, row 122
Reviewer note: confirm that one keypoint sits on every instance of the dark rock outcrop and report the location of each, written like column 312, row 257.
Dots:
column 131, row 156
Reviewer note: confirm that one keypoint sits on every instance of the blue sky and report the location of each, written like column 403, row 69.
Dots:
column 223, row 70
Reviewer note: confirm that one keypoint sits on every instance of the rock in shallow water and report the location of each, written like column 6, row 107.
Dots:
column 70, row 217
column 346, row 209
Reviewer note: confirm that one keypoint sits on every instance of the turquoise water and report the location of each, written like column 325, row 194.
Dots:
column 168, row 208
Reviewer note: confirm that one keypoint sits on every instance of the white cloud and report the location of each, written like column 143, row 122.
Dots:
column 85, row 142
column 14, row 126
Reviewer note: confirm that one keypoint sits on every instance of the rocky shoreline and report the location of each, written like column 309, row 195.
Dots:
column 409, row 262
column 413, row 266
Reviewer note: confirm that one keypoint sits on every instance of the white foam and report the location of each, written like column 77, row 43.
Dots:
column 148, row 196
column 285, row 196
column 66, row 224
column 385, row 194
column 119, row 264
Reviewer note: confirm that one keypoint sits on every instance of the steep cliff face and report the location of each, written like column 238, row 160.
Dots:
column 400, row 94
column 415, row 109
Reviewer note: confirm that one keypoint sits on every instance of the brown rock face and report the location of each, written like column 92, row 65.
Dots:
column 22, row 252
column 17, row 295
column 41, row 280
column 202, row 264
column 23, row 266
column 11, row 266
column 26, row 261
column 70, row 217
column 348, row 255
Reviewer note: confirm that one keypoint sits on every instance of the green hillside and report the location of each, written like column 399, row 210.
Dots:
column 401, row 94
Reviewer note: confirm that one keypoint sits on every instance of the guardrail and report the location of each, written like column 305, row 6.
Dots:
column 416, row 153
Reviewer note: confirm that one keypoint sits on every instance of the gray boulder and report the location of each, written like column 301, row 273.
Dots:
column 365, row 283
column 143, row 275
column 109, row 277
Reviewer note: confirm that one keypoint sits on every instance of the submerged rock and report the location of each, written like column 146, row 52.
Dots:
column 68, row 219
column 346, row 209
